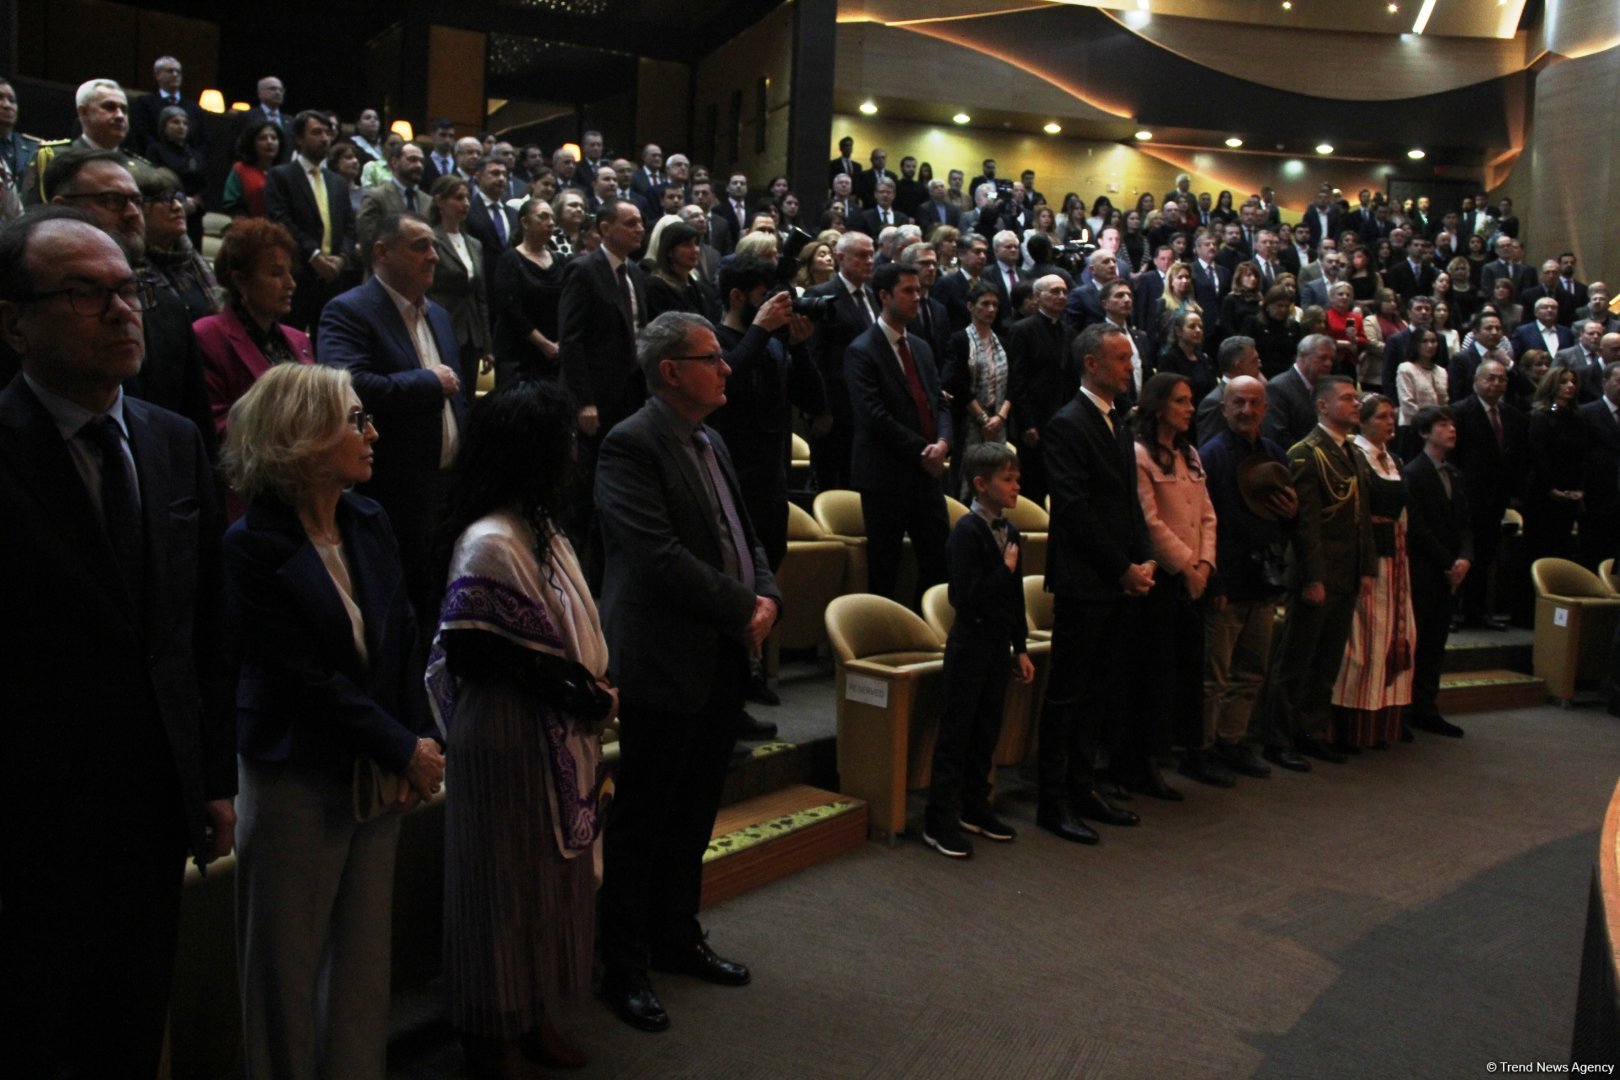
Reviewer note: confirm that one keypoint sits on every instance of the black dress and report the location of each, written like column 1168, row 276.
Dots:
column 1558, row 440
column 525, row 299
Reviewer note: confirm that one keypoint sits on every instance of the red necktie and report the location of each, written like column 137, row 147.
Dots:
column 919, row 398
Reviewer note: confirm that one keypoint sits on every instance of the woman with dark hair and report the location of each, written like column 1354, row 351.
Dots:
column 1477, row 255
column 458, row 279
column 518, row 678
column 1181, row 529
column 1375, row 680
column 1071, row 225
column 816, row 265
column 170, row 150
column 1524, row 376
column 1458, row 291
column 787, row 210
column 1419, row 382
column 1044, row 224
column 1183, row 352
column 1276, row 335
column 528, row 290
column 1144, row 206
column 1243, row 302
column 1559, row 437
column 256, row 152
column 1133, row 245
column 673, row 283
column 1364, row 278
column 1222, row 211
column 1099, row 214
column 342, row 159
column 976, row 375
column 169, row 251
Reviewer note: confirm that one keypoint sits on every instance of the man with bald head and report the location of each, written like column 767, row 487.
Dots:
column 1085, row 300
column 107, row 514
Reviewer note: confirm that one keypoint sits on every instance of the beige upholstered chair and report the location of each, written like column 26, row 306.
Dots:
column 839, row 515
column 1606, row 572
column 1034, row 526
column 799, row 464
column 1575, row 620
column 1038, row 607
column 811, row 575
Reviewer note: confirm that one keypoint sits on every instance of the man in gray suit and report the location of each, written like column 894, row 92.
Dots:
column 403, row 194
column 687, row 597
column 1290, row 413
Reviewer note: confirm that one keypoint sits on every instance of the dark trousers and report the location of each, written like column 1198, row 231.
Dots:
column 309, row 299
column 1600, row 530
column 1032, row 472
column 1310, row 651
column 672, row 768
column 1172, row 700
column 976, row 672
column 769, row 516
column 830, row 456
column 415, row 505
column 1085, row 694
column 892, row 515
column 1432, row 605
column 1474, row 597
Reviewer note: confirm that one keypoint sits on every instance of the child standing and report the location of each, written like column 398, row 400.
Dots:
column 987, row 591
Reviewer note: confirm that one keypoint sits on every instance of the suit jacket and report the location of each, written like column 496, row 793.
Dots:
column 1407, row 284
column 363, row 331
column 1524, row 277
column 988, row 598
column 935, row 330
column 1084, row 307
column 1527, row 335
column 464, row 296
column 951, row 291
column 1439, row 529
column 1208, row 421
column 1566, row 303
column 1591, row 373
column 1149, row 289
column 1313, row 226
column 832, row 340
column 841, row 165
column 867, row 221
column 998, row 279
column 232, row 362
column 431, row 170
column 1332, row 538
column 889, row 439
column 1097, row 530
column 597, row 338
column 144, row 110
column 664, row 580
column 1041, row 377
column 866, row 185
column 722, row 231
column 377, row 203
column 481, row 224
column 1315, row 292
column 307, row 697
column 1290, row 413
column 930, row 214
column 1493, row 474
column 102, row 683
column 1602, row 491
column 289, row 201
column 1209, row 289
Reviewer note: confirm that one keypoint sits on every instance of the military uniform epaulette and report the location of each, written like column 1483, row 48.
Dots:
column 33, row 189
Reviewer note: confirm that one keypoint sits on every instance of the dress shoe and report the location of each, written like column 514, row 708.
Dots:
column 1061, row 822
column 631, row 998
column 1206, row 767
column 985, row 823
column 759, row 690
column 947, row 839
column 1153, row 784
column 750, row 728
column 545, row 1046
column 1242, row 759
column 1092, row 805
column 1438, row 725
column 1311, row 746
column 1287, row 758
column 701, row 962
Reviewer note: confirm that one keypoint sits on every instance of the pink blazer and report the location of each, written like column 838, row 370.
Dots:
column 232, row 363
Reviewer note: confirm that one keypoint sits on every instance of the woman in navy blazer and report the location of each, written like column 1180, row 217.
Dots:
column 330, row 696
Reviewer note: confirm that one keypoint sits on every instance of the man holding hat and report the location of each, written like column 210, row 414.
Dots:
column 1255, row 506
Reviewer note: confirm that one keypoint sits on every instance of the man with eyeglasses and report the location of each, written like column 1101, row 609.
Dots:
column 145, row 110
column 99, row 183
column 109, row 522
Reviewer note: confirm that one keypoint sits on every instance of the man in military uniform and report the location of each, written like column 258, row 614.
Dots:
column 104, row 124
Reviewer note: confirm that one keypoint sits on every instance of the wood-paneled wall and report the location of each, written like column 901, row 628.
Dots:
column 455, row 77
column 727, row 88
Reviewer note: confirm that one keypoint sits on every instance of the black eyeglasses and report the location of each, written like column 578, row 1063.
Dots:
column 361, row 421
column 115, row 202
column 713, row 359
column 172, row 198
column 94, row 301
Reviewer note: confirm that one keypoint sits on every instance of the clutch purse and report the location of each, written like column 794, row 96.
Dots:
column 376, row 790
column 567, row 685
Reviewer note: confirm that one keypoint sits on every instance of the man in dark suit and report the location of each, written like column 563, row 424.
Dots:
column 932, row 324
column 1084, row 305
column 683, row 566
column 441, row 161
column 1334, row 564
column 271, row 95
column 1377, row 226
column 1098, row 567
column 1003, row 271
column 1585, row 358
column 972, row 252
column 1419, row 316
column 866, row 182
column 145, row 110
column 489, row 219
column 1440, row 538
column 1211, row 281
column 1551, row 285
column 845, row 162
column 1414, row 274
column 403, row 194
column 1600, row 508
column 935, row 210
column 1148, row 286
column 1040, row 379
column 1117, row 306
column 1597, row 307
column 883, row 213
column 1488, row 344
column 1322, row 219
column 1509, row 263
column 1290, row 410
column 647, row 179
column 117, row 673
column 1238, row 358
column 1543, row 332
column 901, row 438
column 604, row 303
column 314, row 206
column 855, row 307
column 401, row 349
column 1492, row 452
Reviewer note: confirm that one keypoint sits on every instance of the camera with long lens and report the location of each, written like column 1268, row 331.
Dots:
column 1072, row 256
column 818, row 309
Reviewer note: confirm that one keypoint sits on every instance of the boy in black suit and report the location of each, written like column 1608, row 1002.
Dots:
column 986, row 589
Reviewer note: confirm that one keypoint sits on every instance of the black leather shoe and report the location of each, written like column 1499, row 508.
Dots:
column 632, row 1000
column 1155, row 785
column 701, row 962
column 759, row 690
column 750, row 727
column 1311, row 746
column 1206, row 767
column 1092, row 805
column 1286, row 758
column 1061, row 822
column 1242, row 759
column 1439, row 725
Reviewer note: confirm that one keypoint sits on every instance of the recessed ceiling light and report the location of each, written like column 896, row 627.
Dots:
column 868, row 108
column 1288, row 5
column 1144, row 136
column 1393, row 8
column 1416, row 154
column 1324, row 148
column 1052, row 127
column 1234, row 142
column 961, row 118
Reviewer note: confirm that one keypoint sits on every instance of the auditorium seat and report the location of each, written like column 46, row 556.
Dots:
column 887, row 662
column 799, row 464
column 1575, row 621
column 214, row 226
column 811, row 575
column 839, row 515
column 1034, row 525
column 1606, row 572
column 1038, row 607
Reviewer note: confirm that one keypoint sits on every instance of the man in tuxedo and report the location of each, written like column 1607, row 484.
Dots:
column 442, row 161
column 1585, row 358
column 403, row 194
column 1004, row 271
column 883, row 213
column 855, row 307
column 1440, row 538
column 1334, row 564
column 489, row 219
column 1098, row 568
column 1084, row 305
column 1414, row 274
column 1040, row 379
column 686, row 600
column 901, row 439
column 271, row 94
column 145, row 110
column 1211, row 281
column 972, row 253
column 1600, row 508
column 1544, row 332
column 1290, row 405
column 866, row 182
column 401, row 349
column 115, row 663
column 314, row 206
column 844, row 164
column 1492, row 453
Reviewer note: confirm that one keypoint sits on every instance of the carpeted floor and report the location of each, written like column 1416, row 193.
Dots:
column 1415, row 913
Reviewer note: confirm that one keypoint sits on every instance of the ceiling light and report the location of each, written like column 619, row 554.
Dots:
column 1416, row 154
column 961, row 118
column 1393, row 8
column 1144, row 136
column 1053, row 127
column 1234, row 142
column 868, row 108
column 1141, row 5
column 1324, row 148
column 1288, row 5
column 211, row 101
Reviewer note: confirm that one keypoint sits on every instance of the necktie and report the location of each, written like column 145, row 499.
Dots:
column 886, row 220
column 927, row 321
column 324, row 208
column 919, row 397
column 626, row 293
column 120, row 509
column 1108, row 418
column 410, row 199
column 498, row 216
column 866, row 310
column 744, row 570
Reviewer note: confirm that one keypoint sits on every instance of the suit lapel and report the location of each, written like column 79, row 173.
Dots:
column 247, row 354
column 689, row 473
column 157, row 504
